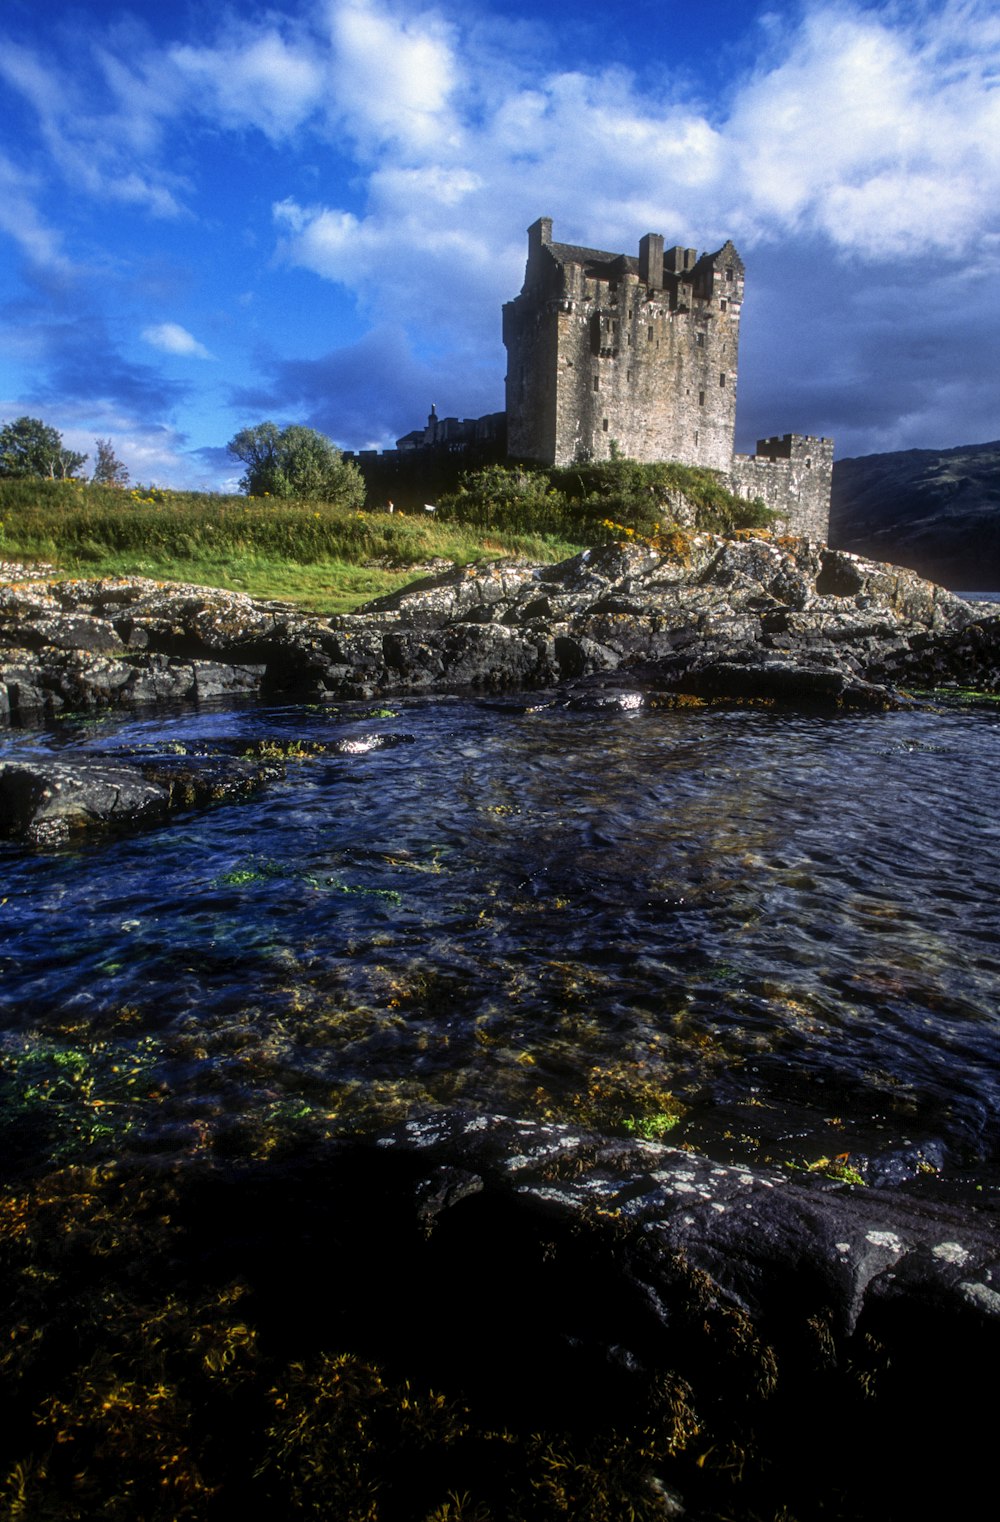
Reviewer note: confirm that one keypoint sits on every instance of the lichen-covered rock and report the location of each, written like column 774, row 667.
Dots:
column 796, row 1326
column 750, row 1230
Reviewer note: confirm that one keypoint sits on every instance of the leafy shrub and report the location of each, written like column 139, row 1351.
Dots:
column 596, row 501
column 519, row 498
column 296, row 462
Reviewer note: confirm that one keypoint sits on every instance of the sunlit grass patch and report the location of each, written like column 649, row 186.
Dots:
column 323, row 557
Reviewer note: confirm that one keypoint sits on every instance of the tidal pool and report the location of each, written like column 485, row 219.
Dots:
column 772, row 935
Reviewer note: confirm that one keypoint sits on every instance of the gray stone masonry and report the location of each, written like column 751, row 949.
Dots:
column 793, row 474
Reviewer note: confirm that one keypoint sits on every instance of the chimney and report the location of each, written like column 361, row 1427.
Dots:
column 651, row 260
column 539, row 235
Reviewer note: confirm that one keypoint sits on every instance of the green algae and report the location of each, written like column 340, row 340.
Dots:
column 956, row 696
column 82, row 1097
column 263, row 870
column 837, row 1168
column 625, row 1097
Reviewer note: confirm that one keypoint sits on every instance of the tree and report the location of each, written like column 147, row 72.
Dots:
column 29, row 447
column 108, row 470
column 295, row 462
column 68, row 463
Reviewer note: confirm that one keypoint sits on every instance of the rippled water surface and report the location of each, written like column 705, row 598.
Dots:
column 777, row 936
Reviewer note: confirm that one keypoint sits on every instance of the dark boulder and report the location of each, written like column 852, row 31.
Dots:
column 665, row 1328
column 49, row 800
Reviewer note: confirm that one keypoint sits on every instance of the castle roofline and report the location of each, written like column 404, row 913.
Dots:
column 576, row 253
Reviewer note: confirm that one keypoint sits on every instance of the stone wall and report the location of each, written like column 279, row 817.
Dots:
column 793, row 474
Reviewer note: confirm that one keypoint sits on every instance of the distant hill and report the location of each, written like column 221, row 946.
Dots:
column 934, row 510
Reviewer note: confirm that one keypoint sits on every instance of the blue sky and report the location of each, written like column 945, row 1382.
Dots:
column 312, row 211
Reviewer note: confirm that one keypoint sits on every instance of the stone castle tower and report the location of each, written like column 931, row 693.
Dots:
column 612, row 353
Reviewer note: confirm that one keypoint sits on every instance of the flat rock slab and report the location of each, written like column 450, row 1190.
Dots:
column 48, row 801
column 769, row 1241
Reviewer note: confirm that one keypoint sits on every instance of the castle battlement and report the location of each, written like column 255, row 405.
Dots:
column 788, row 446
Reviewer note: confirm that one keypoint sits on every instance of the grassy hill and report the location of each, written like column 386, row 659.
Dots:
column 326, row 558
column 934, row 510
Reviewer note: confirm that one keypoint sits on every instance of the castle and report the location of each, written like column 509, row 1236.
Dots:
column 612, row 354
column 608, row 353
column 606, row 348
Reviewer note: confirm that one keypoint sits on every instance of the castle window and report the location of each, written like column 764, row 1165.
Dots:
column 604, row 425
column 699, row 339
column 722, row 378
column 723, row 304
column 697, row 436
column 701, row 398
column 649, row 335
column 597, row 383
column 729, row 272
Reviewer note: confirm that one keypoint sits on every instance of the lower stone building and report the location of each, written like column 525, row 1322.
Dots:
column 794, row 475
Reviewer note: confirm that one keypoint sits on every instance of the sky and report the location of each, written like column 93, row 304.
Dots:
column 312, row 211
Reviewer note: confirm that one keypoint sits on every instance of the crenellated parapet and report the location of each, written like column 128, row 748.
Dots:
column 792, row 474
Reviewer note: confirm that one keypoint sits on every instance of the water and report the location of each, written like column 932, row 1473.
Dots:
column 775, row 936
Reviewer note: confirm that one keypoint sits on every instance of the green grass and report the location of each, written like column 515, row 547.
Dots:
column 329, row 558
column 323, row 557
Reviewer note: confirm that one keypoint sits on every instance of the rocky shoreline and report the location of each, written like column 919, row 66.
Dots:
column 708, row 619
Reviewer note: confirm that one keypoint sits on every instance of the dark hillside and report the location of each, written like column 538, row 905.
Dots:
column 936, row 511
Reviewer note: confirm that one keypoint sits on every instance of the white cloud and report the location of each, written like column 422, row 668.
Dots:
column 254, row 81
column 173, row 339
column 41, row 244
column 93, row 152
column 877, row 130
column 393, row 77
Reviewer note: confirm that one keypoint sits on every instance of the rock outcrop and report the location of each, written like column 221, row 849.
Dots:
column 720, row 1342
column 722, row 617
column 717, row 619
column 48, row 800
